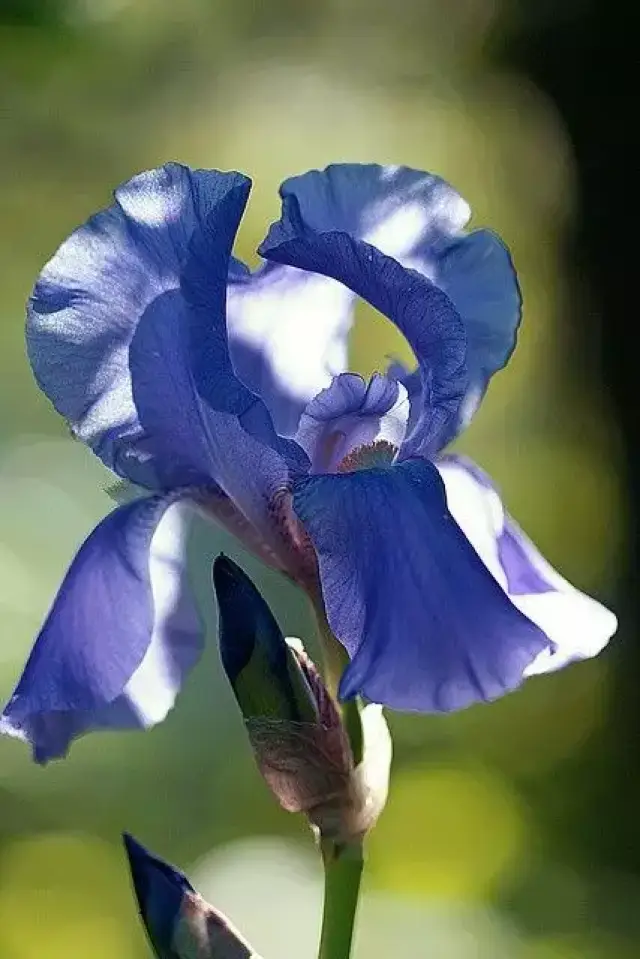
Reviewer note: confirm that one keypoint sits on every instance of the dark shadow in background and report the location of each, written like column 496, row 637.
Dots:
column 583, row 56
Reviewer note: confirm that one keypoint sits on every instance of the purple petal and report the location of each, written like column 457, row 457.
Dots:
column 521, row 574
column 577, row 626
column 412, row 382
column 224, row 434
column 120, row 637
column 396, row 209
column 350, row 414
column 422, row 312
column 148, row 274
column 417, row 219
column 477, row 274
column 427, row 627
column 289, row 328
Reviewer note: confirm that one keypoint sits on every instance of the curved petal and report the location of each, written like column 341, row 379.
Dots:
column 213, row 429
column 421, row 311
column 427, row 627
column 577, row 626
column 289, row 328
column 418, row 219
column 119, row 639
column 149, row 273
column 477, row 274
column 351, row 414
column 396, row 209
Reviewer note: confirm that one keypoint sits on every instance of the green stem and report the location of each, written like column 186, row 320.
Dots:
column 343, row 863
column 342, row 873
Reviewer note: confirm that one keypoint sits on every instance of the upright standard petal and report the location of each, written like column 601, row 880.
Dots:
column 351, row 414
column 425, row 624
column 577, row 626
column 476, row 272
column 421, row 311
column 89, row 298
column 207, row 426
column 120, row 637
column 289, row 328
column 418, row 219
column 151, row 268
column 396, row 209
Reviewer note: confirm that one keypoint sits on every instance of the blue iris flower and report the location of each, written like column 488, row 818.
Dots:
column 204, row 382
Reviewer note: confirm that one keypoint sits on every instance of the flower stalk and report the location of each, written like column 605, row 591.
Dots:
column 343, row 865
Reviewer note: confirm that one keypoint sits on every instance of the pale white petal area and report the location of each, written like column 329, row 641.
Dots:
column 577, row 626
column 288, row 336
column 393, row 425
column 176, row 641
column 477, row 509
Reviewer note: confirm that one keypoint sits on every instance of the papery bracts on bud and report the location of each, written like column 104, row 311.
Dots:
column 294, row 726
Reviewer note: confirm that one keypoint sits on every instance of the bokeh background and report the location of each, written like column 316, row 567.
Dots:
column 512, row 830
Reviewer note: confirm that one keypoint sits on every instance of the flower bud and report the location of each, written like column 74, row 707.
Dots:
column 295, row 727
column 179, row 923
column 264, row 675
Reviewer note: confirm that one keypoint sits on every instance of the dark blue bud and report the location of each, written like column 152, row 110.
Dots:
column 179, row 922
column 160, row 890
column 264, row 673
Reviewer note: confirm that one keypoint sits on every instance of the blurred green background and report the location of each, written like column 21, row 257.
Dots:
column 511, row 829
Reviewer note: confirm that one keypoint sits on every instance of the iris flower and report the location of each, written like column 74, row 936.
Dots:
column 201, row 381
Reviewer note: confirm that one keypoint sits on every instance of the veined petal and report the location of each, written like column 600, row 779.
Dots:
column 213, row 430
column 350, row 414
column 90, row 297
column 418, row 219
column 421, row 311
column 425, row 624
column 476, row 272
column 149, row 273
column 289, row 328
column 577, row 626
column 119, row 639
